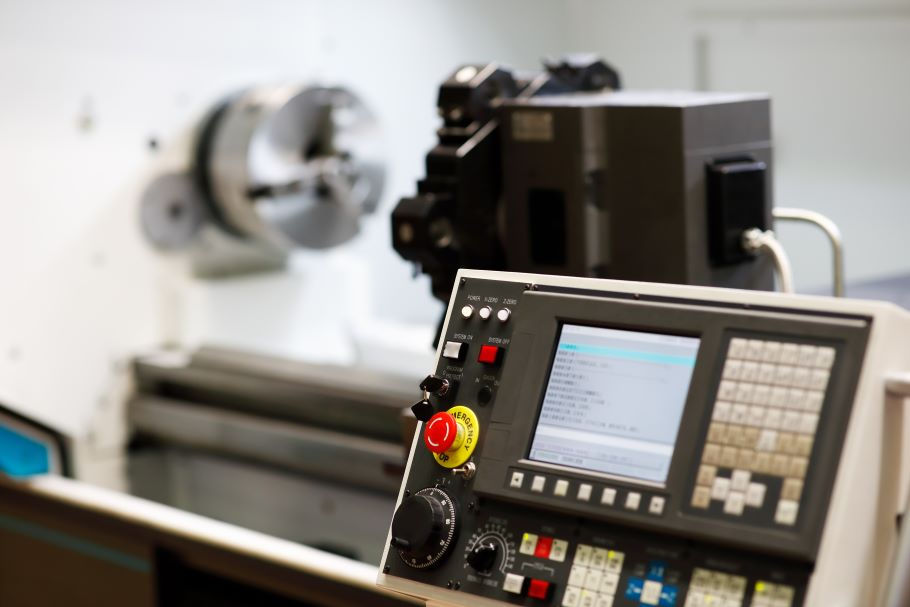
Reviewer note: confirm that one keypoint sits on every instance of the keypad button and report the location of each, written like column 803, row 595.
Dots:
column 789, row 354
column 706, row 475
column 739, row 481
column 701, row 497
column 592, row 580
column 734, row 503
column 797, row 467
column 733, row 369
column 598, row 558
column 604, row 600
column 720, row 488
column 650, row 592
column 773, row 419
column 755, row 495
column 803, row 445
column 749, row 371
column 766, row 373
column 780, row 465
column 738, row 413
column 577, row 575
column 717, row 433
column 614, row 561
column 786, row 512
column 656, row 505
column 744, row 392
column 808, row 422
column 791, row 421
column 763, row 463
column 796, row 398
column 824, row 358
column 561, row 488
column 792, row 489
column 610, row 583
column 722, row 410
column 571, row 597
column 711, row 455
column 558, row 550
column 633, row 500
column 528, row 543
column 513, row 583
column 583, row 555
column 608, row 496
column 734, row 435
column 584, row 492
column 750, row 437
column 754, row 349
column 728, row 457
column 801, row 377
column 538, row 484
column 756, row 416
column 783, row 375
column 745, row 459
column 517, row 480
column 818, row 379
column 587, row 598
column 767, row 441
column 778, row 397
column 737, row 348
column 727, row 390
column 807, row 355
column 761, row 395
column 813, row 401
column 771, row 351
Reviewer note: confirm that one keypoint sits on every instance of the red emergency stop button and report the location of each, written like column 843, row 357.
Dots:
column 440, row 433
column 489, row 355
column 539, row 589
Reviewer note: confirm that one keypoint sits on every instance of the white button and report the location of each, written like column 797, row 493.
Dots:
column 503, row 315
column 749, row 371
column 754, row 349
column 771, row 351
column 813, row 402
column 467, row 311
column 583, row 555
column 783, row 375
column 608, row 496
column 577, row 575
column 740, row 480
column 789, row 354
column 801, row 377
column 614, row 561
column 452, row 350
column 513, row 583
column 598, row 558
column 761, row 395
column 756, row 416
column 701, row 497
column 755, row 495
column 706, row 475
column 587, row 598
column 650, row 593
column 737, row 348
column 571, row 597
column 605, row 600
column 720, row 488
column 824, row 358
column 818, row 380
column 735, row 502
column 727, row 390
column 733, row 370
column 584, row 492
column 786, row 512
column 722, row 411
column 738, row 413
column 773, row 419
column 778, row 397
column 592, row 579
column 633, row 500
column 656, row 506
column 538, row 483
column 518, row 479
column 561, row 488
column 767, row 441
column 807, row 355
column 796, row 398
column 744, row 392
column 558, row 550
column 791, row 421
column 610, row 583
column 808, row 422
column 485, row 312
column 528, row 543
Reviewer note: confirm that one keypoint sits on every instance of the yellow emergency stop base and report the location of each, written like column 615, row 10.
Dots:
column 461, row 452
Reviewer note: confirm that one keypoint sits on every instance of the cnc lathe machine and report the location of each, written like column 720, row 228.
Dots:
column 596, row 443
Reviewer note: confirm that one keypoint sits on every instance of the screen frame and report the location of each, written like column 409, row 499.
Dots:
column 561, row 324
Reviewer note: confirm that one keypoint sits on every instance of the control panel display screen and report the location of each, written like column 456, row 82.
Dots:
column 614, row 401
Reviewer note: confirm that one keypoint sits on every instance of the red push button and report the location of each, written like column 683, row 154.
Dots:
column 440, row 432
column 542, row 551
column 539, row 589
column 489, row 355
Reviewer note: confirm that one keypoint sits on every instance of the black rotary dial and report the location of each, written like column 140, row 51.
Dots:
column 424, row 527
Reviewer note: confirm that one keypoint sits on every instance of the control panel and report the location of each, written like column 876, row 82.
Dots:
column 588, row 447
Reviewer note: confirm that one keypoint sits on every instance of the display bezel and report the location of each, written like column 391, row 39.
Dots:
column 560, row 327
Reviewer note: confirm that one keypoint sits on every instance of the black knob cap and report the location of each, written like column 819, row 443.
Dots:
column 483, row 556
column 417, row 523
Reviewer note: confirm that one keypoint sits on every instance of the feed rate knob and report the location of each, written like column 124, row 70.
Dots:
column 424, row 526
column 483, row 556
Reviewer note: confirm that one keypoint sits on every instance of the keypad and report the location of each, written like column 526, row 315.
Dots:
column 763, row 422
column 767, row 594
column 594, row 577
column 709, row 587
